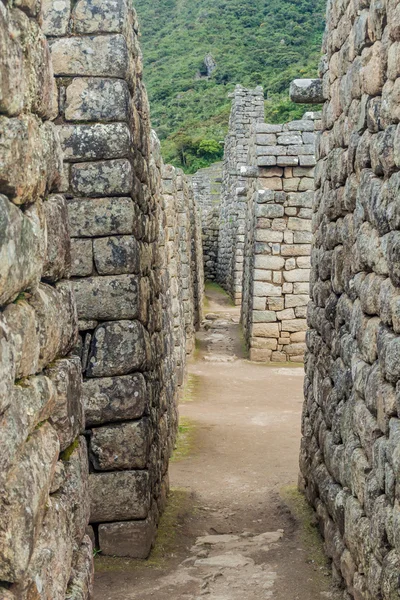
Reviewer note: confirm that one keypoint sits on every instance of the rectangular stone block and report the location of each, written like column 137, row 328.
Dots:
column 265, row 330
column 266, row 289
column 107, row 297
column 259, row 355
column 270, row 211
column 100, row 216
column 263, row 316
column 133, row 539
column 288, row 139
column 97, row 16
column 295, row 224
column 267, row 235
column 117, row 255
column 295, row 249
column 118, row 348
column 294, row 325
column 95, row 56
column 265, row 139
column 287, row 161
column 308, row 161
column 269, row 262
column 81, row 257
column 285, row 315
column 102, row 178
column 94, row 99
column 67, row 416
column 297, row 275
column 55, row 17
column 292, row 301
column 271, row 151
column 266, row 161
column 122, row 446
column 113, row 399
column 13, row 83
column 301, row 150
column 58, row 257
column 119, row 496
column 95, row 142
column 262, row 275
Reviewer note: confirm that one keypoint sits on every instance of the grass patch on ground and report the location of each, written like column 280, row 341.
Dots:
column 190, row 388
column 184, row 441
column 179, row 505
column 212, row 286
column 310, row 535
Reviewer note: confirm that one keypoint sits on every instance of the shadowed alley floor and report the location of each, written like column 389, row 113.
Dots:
column 233, row 480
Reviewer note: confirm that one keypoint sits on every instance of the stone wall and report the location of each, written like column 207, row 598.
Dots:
column 207, row 194
column 247, row 109
column 280, row 176
column 351, row 426
column 118, row 221
column 44, row 502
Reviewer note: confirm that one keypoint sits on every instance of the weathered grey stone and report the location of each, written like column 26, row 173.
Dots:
column 102, row 178
column 133, row 539
column 93, row 99
column 67, row 416
column 95, row 56
column 114, row 399
column 21, row 249
column 98, row 141
column 120, row 446
column 23, row 501
column 95, row 16
column 116, row 255
column 119, row 496
column 81, row 257
column 101, row 216
column 31, row 158
column 55, row 17
column 107, row 298
column 58, row 258
column 81, row 582
column 306, row 91
column 118, row 348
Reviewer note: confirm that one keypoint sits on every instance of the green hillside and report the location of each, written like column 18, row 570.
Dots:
column 253, row 42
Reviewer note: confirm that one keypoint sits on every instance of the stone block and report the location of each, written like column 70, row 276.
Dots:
column 67, row 417
column 13, row 83
column 295, row 224
column 99, row 16
column 30, row 404
column 55, row 17
column 287, row 161
column 107, row 298
column 265, row 330
column 262, row 275
column 94, row 142
column 295, row 349
column 82, row 578
column 120, row 446
column 113, row 399
column 58, row 257
column 23, row 501
column 96, row 217
column 31, row 158
column 102, row 178
column 270, row 211
column 266, row 161
column 133, row 539
column 285, row 315
column 119, row 496
column 288, row 139
column 118, row 348
column 260, row 355
column 301, row 288
column 297, row 275
column 267, row 235
column 94, row 99
column 306, row 91
column 81, row 257
column 95, row 56
column 263, row 316
column 116, row 255
column 293, row 301
column 266, row 289
column 294, row 325
column 269, row 262
column 21, row 249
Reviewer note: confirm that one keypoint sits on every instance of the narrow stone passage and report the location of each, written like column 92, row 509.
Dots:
column 236, row 527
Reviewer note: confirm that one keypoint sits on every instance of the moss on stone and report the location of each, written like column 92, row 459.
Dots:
column 67, row 453
column 185, row 441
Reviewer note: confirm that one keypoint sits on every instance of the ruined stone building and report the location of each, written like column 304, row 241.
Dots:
column 101, row 290
column 102, row 283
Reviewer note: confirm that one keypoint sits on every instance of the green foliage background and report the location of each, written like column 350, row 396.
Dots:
column 254, row 42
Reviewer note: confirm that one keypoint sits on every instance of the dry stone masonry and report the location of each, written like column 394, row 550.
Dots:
column 247, row 109
column 81, row 194
column 280, row 183
column 207, row 194
column 44, row 501
column 351, row 426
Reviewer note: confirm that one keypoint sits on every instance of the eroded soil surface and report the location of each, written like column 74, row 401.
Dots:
column 236, row 527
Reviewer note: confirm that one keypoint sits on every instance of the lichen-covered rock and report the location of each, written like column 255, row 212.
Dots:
column 133, row 539
column 58, row 258
column 96, row 217
column 306, row 91
column 118, row 348
column 114, row 399
column 94, row 99
column 120, row 446
column 119, row 496
column 102, row 178
column 107, row 298
column 98, row 141
column 117, row 255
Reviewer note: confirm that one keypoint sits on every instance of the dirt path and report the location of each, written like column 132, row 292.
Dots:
column 236, row 528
